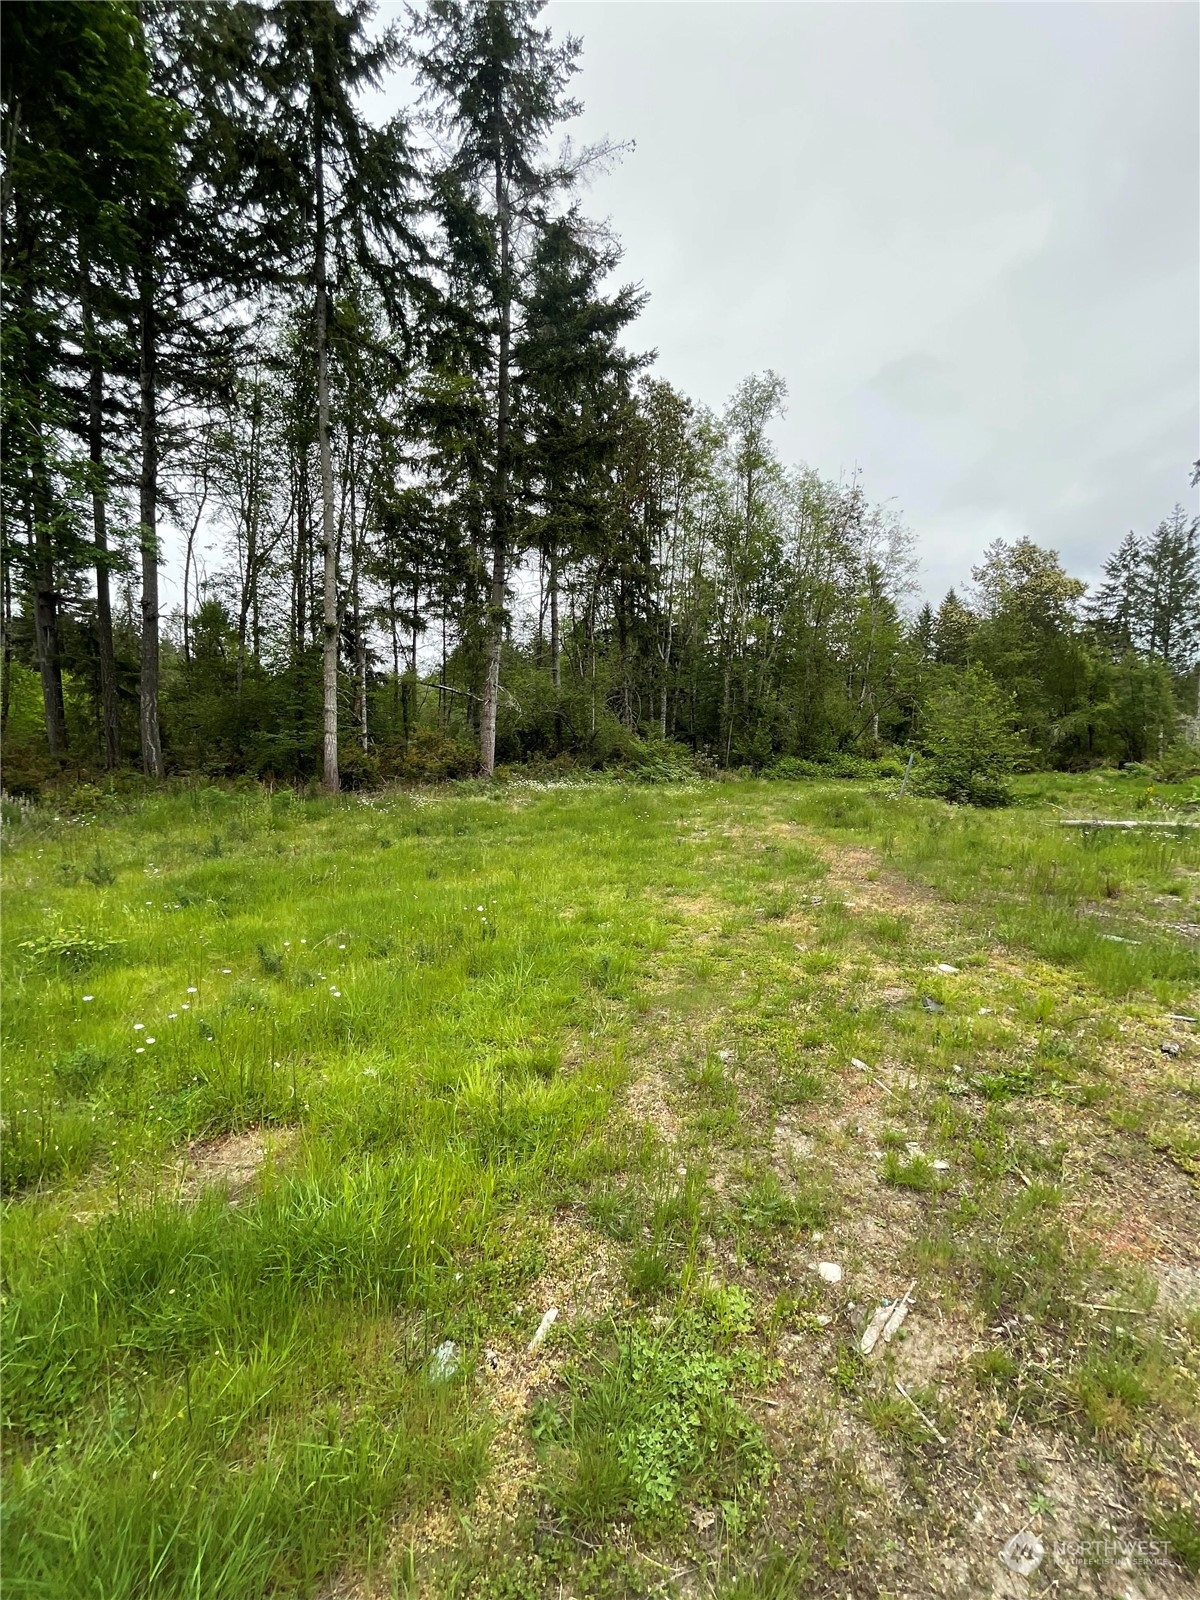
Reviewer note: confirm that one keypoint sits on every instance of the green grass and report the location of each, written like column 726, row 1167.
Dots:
column 649, row 1423
column 502, row 1045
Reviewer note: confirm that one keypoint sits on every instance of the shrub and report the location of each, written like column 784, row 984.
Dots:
column 70, row 949
column 790, row 768
column 842, row 764
column 664, row 761
column 358, row 768
column 1178, row 763
column 969, row 741
column 429, row 756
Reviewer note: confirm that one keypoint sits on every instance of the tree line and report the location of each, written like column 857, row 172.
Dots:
column 388, row 366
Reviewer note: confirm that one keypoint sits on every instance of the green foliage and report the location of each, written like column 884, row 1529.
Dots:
column 835, row 766
column 99, row 873
column 235, row 1235
column 42, row 1143
column 1181, row 1530
column 912, row 1172
column 969, row 741
column 765, row 1208
column 69, row 949
column 652, row 1426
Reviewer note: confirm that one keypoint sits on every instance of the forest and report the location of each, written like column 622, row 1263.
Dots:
column 391, row 371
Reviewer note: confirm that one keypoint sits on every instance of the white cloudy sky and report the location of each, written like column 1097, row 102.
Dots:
column 966, row 234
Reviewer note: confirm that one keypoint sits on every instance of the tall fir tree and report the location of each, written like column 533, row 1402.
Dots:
column 953, row 626
column 571, row 379
column 338, row 198
column 497, row 87
column 1171, row 591
column 1117, row 608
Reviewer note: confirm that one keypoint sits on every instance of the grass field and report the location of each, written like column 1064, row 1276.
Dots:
column 313, row 1111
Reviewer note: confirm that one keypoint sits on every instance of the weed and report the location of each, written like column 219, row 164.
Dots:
column 80, row 1071
column 99, row 873
column 993, row 1368
column 447, row 1045
column 70, row 949
column 915, row 1172
column 765, row 1208
column 652, row 1423
column 270, row 961
column 1180, row 1529
column 648, row 1273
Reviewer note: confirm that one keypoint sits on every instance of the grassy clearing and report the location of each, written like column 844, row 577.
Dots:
column 312, row 1110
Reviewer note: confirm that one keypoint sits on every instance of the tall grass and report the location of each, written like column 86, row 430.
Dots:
column 428, row 999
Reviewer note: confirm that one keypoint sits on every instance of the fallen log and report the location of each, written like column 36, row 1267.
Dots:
column 1095, row 822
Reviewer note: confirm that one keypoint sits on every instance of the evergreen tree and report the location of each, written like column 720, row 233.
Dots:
column 1117, row 610
column 953, row 628
column 1172, row 591
column 569, row 385
column 969, row 740
column 88, row 147
column 337, row 197
column 498, row 87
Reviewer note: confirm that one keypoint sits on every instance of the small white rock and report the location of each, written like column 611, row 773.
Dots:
column 944, row 966
column 444, row 1362
column 543, row 1327
column 829, row 1271
column 861, row 1065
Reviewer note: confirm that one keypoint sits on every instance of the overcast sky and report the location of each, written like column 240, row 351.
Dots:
column 965, row 234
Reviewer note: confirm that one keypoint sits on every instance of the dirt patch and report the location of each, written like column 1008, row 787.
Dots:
column 231, row 1162
column 1178, row 1287
column 1064, row 1497
column 647, row 1101
column 928, row 1348
column 1137, row 1209
column 857, row 873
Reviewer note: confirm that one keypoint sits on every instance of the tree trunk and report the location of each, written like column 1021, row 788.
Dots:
column 189, row 561
column 152, row 760
column 555, row 640
column 109, row 713
column 6, row 649
column 356, row 552
column 300, row 591
column 45, row 604
column 329, row 760
column 495, row 622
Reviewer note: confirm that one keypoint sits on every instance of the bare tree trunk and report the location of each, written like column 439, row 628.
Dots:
column 329, row 755
column 394, row 631
column 555, row 641
column 495, row 622
column 189, row 555
column 45, row 605
column 109, row 713
column 442, row 678
column 491, row 682
column 251, row 499
column 152, row 760
column 360, row 643
column 300, row 591
column 6, row 649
